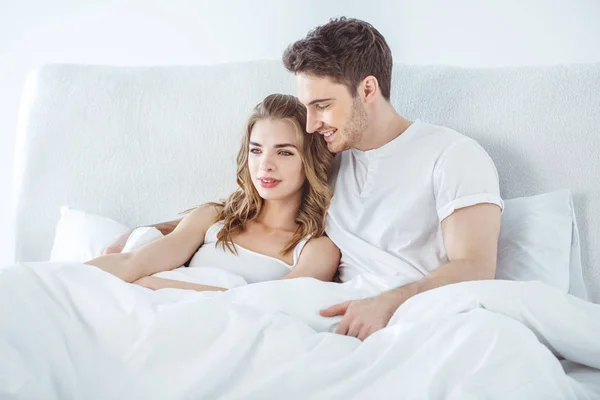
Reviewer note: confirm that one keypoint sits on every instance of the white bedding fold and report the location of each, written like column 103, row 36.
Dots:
column 73, row 331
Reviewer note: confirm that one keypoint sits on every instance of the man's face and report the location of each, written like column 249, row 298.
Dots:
column 332, row 112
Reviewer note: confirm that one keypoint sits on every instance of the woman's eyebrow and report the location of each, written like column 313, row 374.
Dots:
column 277, row 146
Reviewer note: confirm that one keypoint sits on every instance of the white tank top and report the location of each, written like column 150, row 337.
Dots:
column 252, row 266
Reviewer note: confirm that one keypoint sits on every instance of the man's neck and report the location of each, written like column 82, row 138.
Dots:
column 386, row 125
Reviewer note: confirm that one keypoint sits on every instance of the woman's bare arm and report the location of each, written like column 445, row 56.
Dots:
column 163, row 254
column 319, row 259
column 117, row 246
column 155, row 283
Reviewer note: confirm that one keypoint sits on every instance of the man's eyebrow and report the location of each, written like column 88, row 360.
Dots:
column 277, row 146
column 320, row 101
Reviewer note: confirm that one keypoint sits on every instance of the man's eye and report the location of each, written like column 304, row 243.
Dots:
column 321, row 108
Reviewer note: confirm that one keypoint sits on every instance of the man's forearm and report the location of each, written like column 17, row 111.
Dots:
column 452, row 272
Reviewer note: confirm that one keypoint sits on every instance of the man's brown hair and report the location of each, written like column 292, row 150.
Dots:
column 346, row 50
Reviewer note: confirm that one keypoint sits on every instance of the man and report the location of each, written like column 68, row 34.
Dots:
column 414, row 202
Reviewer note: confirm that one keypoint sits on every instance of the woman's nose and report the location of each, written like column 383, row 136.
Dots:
column 267, row 164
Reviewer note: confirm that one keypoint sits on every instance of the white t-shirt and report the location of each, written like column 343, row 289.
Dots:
column 389, row 202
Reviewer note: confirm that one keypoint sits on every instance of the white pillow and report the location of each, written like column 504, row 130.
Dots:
column 141, row 236
column 80, row 236
column 576, row 283
column 539, row 241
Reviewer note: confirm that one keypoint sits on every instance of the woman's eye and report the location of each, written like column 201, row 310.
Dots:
column 286, row 153
column 255, row 151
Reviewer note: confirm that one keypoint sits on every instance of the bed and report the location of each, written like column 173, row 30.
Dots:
column 138, row 145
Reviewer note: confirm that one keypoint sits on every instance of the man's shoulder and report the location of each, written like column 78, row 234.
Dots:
column 440, row 134
column 438, row 141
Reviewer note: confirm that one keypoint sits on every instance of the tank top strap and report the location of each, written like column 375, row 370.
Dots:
column 211, row 233
column 298, row 249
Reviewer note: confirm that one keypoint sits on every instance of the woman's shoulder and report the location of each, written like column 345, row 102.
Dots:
column 321, row 247
column 207, row 210
column 203, row 216
column 320, row 259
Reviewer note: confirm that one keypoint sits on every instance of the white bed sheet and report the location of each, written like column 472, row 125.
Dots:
column 73, row 331
column 589, row 378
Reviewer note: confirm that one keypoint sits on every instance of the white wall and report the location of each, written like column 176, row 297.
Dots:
column 136, row 32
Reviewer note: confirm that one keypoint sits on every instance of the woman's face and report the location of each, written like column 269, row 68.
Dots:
column 274, row 160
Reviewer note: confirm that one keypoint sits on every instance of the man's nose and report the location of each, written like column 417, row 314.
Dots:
column 312, row 122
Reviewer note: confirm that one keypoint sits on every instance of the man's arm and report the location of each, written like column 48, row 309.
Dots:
column 471, row 241
column 164, row 227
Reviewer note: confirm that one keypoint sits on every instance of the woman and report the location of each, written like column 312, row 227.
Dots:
column 270, row 228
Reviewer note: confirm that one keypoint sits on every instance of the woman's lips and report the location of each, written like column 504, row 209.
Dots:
column 269, row 183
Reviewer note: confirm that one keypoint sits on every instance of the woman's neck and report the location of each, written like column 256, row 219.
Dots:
column 280, row 214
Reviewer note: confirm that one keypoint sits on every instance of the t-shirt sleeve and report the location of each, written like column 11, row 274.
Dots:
column 464, row 176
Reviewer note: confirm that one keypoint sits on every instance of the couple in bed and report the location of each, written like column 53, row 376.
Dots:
column 410, row 200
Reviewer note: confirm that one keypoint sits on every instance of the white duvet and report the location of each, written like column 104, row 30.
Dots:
column 71, row 331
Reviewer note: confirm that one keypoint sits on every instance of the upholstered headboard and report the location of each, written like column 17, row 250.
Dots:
column 140, row 144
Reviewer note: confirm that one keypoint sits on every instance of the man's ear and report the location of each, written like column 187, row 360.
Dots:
column 369, row 88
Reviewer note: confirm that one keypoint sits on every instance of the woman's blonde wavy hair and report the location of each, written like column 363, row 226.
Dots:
column 244, row 205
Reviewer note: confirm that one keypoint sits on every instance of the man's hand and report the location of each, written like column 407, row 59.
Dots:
column 117, row 246
column 364, row 317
